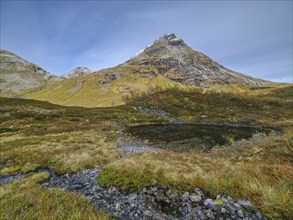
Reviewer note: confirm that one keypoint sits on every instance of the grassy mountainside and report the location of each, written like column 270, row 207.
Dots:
column 101, row 89
column 37, row 135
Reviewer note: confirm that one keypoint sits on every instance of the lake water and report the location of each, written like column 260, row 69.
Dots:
column 183, row 137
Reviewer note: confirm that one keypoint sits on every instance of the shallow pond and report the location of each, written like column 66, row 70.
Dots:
column 183, row 137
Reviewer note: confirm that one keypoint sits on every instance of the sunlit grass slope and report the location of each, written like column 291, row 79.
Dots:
column 99, row 89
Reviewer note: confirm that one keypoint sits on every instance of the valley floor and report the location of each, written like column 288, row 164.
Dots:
column 63, row 141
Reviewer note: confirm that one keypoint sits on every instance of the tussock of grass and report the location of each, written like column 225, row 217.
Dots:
column 25, row 199
column 259, row 170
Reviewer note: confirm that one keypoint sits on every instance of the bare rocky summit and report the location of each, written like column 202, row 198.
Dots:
column 79, row 71
column 171, row 57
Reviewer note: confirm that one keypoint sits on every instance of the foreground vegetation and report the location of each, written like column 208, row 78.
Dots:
column 37, row 135
column 26, row 199
column 259, row 170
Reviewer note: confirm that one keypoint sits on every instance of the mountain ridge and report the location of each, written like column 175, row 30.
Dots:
column 166, row 63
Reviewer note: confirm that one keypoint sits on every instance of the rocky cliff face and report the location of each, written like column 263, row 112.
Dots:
column 79, row 71
column 171, row 57
column 17, row 74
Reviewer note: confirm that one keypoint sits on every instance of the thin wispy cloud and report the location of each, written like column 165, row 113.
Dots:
column 253, row 37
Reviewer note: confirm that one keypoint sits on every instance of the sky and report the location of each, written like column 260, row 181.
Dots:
column 251, row 37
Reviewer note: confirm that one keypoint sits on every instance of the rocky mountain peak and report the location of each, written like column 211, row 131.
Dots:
column 171, row 57
column 78, row 71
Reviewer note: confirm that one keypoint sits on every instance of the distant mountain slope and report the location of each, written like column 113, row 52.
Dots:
column 79, row 71
column 18, row 75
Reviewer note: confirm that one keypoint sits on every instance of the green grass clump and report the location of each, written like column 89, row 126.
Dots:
column 26, row 199
column 126, row 180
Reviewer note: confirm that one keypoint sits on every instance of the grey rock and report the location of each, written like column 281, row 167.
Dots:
column 230, row 200
column 223, row 210
column 210, row 203
column 224, row 200
column 154, row 189
column 240, row 213
column 210, row 214
column 195, row 198
column 245, row 203
column 201, row 215
column 231, row 208
column 258, row 215
column 185, row 197
column 118, row 206
column 147, row 213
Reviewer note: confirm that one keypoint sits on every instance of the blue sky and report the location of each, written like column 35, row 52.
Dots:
column 252, row 37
